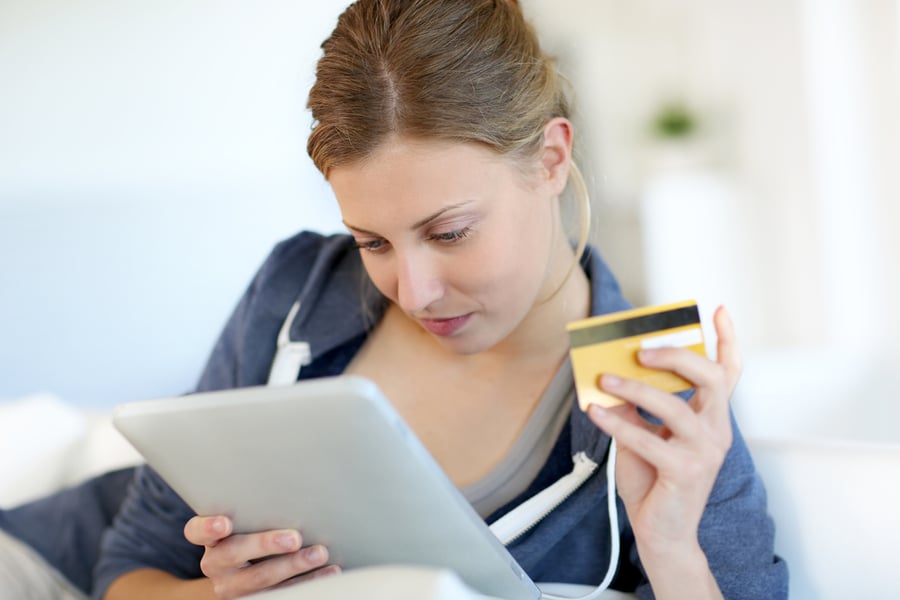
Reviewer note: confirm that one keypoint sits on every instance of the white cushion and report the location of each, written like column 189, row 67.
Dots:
column 46, row 444
column 38, row 436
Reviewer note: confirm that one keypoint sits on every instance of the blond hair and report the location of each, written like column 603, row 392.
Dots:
column 455, row 70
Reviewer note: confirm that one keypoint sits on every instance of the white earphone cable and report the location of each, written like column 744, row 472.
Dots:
column 613, row 532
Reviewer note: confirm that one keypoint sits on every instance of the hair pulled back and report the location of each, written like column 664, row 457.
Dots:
column 458, row 70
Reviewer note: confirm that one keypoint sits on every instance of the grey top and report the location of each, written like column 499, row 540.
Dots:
column 512, row 475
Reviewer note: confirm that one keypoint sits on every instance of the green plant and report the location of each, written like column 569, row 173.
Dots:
column 674, row 121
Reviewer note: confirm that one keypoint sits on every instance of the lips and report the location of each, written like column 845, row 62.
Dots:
column 445, row 327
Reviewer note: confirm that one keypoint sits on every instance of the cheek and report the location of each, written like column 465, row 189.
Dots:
column 526, row 244
column 381, row 275
column 507, row 271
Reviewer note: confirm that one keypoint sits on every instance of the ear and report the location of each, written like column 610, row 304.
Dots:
column 556, row 153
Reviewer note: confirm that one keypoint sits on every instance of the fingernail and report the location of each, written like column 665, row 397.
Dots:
column 646, row 355
column 610, row 381
column 218, row 525
column 316, row 554
column 287, row 540
column 597, row 411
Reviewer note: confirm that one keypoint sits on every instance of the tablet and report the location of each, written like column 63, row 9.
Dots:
column 330, row 457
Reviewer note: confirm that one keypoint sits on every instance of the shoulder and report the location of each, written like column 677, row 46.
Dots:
column 310, row 268
column 302, row 267
column 299, row 254
column 298, row 266
column 307, row 243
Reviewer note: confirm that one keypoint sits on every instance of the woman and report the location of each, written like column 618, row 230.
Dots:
column 444, row 133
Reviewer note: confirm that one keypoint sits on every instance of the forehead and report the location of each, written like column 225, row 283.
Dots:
column 409, row 154
column 405, row 178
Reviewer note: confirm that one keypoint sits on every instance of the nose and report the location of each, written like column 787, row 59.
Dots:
column 418, row 282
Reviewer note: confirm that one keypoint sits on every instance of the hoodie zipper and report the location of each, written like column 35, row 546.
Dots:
column 524, row 517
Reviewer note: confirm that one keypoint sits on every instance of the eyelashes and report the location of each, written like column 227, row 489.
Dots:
column 373, row 246
column 451, row 237
column 447, row 238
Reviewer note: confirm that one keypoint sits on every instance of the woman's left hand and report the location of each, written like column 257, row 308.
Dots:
column 665, row 473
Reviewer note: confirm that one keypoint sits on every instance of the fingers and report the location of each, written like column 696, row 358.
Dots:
column 638, row 438
column 239, row 550
column 207, row 531
column 242, row 564
column 274, row 572
column 694, row 367
column 631, row 430
column 688, row 445
column 665, row 473
column 704, row 427
column 664, row 406
column 714, row 381
column 729, row 355
column 705, row 416
column 711, row 382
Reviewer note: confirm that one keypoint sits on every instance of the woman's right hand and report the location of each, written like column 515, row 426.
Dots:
column 234, row 563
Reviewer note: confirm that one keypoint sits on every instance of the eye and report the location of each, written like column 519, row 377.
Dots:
column 374, row 246
column 451, row 237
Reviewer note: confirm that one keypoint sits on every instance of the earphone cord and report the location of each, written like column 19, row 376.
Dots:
column 613, row 532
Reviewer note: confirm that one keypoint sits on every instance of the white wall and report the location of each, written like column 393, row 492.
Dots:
column 150, row 155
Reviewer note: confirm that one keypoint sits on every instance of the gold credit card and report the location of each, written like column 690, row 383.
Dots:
column 610, row 343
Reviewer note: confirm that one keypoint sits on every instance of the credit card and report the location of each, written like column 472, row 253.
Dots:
column 610, row 343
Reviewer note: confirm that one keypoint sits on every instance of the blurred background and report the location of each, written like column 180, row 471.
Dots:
column 742, row 153
column 746, row 154
column 151, row 154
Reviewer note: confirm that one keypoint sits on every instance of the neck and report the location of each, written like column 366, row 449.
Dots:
column 542, row 334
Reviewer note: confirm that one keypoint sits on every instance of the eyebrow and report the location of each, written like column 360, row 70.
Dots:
column 418, row 224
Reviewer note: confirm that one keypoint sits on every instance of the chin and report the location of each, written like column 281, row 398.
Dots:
column 464, row 345
column 462, row 348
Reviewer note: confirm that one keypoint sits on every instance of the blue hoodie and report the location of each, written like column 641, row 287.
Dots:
column 338, row 308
